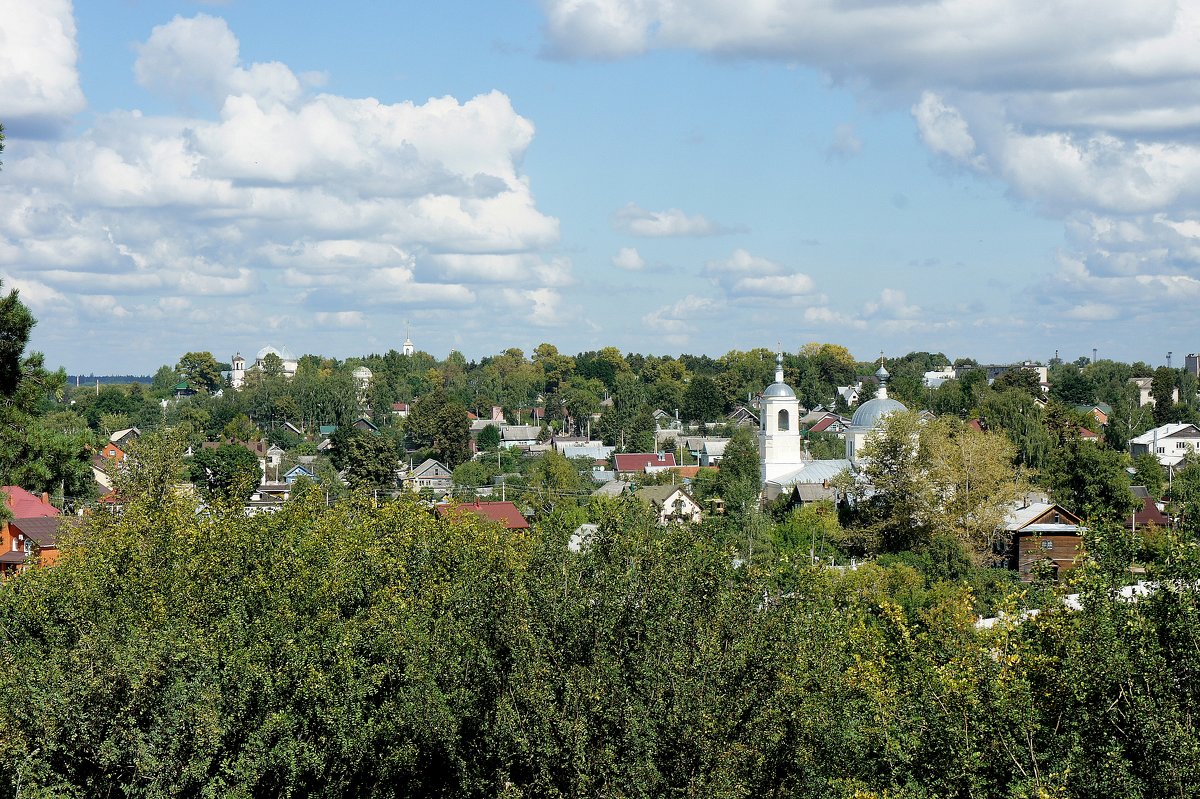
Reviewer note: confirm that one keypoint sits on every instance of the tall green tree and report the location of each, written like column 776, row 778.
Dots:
column 368, row 460
column 628, row 424
column 1162, row 389
column 35, row 457
column 1020, row 379
column 1148, row 472
column 201, row 370
column 488, row 438
column 226, row 473
column 703, row 401
column 893, row 500
column 1184, row 494
column 16, row 323
column 973, row 480
column 1090, row 480
column 739, row 480
column 1015, row 413
column 441, row 424
column 164, row 380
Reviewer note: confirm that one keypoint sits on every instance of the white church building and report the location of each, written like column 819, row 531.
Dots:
column 237, row 373
column 784, row 462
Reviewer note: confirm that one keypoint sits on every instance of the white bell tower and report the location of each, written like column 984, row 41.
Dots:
column 779, row 445
column 408, row 348
column 237, row 371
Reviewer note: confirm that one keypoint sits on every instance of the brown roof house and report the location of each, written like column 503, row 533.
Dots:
column 1042, row 536
column 1148, row 514
column 506, row 513
column 630, row 463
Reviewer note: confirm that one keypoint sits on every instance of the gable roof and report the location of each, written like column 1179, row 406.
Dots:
column 658, row 496
column 504, row 512
column 640, row 461
column 25, row 505
column 743, row 414
column 299, row 468
column 431, row 468
column 1038, row 514
column 826, row 422
column 120, row 436
column 1147, row 514
column 1172, row 430
column 613, row 488
column 518, row 432
column 42, row 530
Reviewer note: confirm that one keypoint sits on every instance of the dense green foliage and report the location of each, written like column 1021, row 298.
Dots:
column 364, row 650
column 368, row 460
column 489, row 438
column 228, row 472
column 1090, row 480
column 37, row 451
column 441, row 424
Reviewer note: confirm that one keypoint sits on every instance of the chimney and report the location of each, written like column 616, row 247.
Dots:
column 45, row 498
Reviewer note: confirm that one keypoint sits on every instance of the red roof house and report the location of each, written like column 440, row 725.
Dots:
column 831, row 422
column 504, row 512
column 33, row 529
column 631, row 462
column 25, row 505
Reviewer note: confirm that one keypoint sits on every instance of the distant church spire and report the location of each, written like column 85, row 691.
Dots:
column 882, row 374
column 408, row 348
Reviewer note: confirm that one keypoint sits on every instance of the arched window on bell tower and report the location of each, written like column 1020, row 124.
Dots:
column 783, row 420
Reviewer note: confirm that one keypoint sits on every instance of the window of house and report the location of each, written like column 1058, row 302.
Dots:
column 1047, row 545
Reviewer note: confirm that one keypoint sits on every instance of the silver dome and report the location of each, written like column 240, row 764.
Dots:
column 284, row 355
column 871, row 412
column 779, row 390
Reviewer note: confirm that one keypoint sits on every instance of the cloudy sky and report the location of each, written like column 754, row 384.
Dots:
column 994, row 179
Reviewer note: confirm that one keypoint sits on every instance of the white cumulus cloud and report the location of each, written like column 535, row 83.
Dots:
column 1085, row 110
column 638, row 221
column 39, row 82
column 265, row 190
column 754, row 278
column 629, row 259
column 678, row 321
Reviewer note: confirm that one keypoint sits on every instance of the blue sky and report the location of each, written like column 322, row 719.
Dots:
column 993, row 180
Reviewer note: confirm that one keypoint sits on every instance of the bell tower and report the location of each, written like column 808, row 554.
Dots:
column 779, row 444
